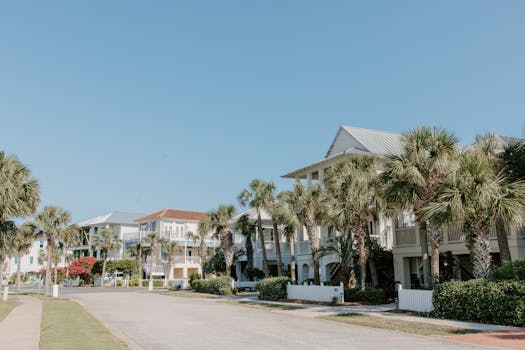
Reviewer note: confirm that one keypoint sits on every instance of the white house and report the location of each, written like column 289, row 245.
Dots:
column 29, row 262
column 174, row 225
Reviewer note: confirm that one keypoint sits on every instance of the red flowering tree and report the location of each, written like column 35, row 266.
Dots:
column 82, row 266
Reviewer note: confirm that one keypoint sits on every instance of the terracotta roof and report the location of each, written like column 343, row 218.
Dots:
column 176, row 214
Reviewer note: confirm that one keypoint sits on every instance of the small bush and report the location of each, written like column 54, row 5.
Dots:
column 134, row 281
column 120, row 283
column 254, row 273
column 194, row 276
column 173, row 288
column 514, row 270
column 480, row 300
column 369, row 296
column 272, row 288
column 156, row 283
column 218, row 286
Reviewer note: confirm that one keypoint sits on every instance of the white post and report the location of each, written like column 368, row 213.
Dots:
column 308, row 180
column 321, row 177
column 150, row 285
column 55, row 290
column 342, row 287
column 5, row 293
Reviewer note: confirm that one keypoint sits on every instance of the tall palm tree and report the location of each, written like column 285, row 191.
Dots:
column 352, row 188
column 411, row 181
column 201, row 236
column 135, row 251
column 152, row 240
column 171, row 248
column 24, row 238
column 309, row 206
column 479, row 195
column 269, row 205
column 244, row 226
column 285, row 215
column 108, row 242
column 8, row 232
column 19, row 196
column 220, row 221
column 52, row 221
column 256, row 197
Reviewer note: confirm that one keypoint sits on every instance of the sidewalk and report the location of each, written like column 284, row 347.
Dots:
column 20, row 330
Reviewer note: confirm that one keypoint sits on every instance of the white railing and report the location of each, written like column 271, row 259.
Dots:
column 455, row 232
column 304, row 247
column 130, row 236
column 415, row 300
column 315, row 293
column 406, row 236
column 187, row 260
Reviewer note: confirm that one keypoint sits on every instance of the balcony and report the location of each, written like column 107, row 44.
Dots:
column 304, row 247
column 406, row 236
column 187, row 260
column 454, row 232
column 130, row 236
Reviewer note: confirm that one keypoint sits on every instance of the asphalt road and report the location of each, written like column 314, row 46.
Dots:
column 158, row 322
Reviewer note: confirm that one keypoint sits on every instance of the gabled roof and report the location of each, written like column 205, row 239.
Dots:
column 374, row 141
column 175, row 214
column 115, row 217
column 252, row 215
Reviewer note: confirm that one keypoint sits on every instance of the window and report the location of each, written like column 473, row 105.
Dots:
column 41, row 244
column 153, row 226
column 31, row 260
column 405, row 220
column 16, row 259
column 189, row 252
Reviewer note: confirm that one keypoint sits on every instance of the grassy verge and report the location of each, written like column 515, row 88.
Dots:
column 189, row 295
column 7, row 307
column 66, row 325
column 265, row 305
column 397, row 325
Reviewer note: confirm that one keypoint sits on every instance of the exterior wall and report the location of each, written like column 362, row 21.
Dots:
column 29, row 261
column 342, row 142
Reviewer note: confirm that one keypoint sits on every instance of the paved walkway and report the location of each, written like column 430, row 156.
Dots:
column 512, row 339
column 20, row 330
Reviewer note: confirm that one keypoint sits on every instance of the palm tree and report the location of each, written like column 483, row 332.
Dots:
column 269, row 205
column 52, row 221
column 19, row 196
column 135, row 251
column 285, row 215
column 220, row 221
column 153, row 240
column 24, row 238
column 411, row 181
column 353, row 199
column 308, row 204
column 244, row 226
column 8, row 232
column 479, row 195
column 201, row 236
column 256, row 197
column 107, row 241
column 171, row 248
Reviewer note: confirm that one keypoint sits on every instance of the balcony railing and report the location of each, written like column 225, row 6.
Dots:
column 130, row 236
column 304, row 247
column 406, row 236
column 454, row 232
column 188, row 260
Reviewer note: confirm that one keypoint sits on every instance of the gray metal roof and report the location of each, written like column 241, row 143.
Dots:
column 115, row 217
column 376, row 141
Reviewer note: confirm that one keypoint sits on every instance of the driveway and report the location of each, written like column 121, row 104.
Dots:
column 158, row 322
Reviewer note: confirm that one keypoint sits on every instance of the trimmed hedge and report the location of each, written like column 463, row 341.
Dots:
column 369, row 296
column 272, row 288
column 219, row 286
column 156, row 283
column 514, row 270
column 482, row 301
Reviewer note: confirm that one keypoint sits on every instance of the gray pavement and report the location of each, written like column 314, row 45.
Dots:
column 20, row 330
column 153, row 321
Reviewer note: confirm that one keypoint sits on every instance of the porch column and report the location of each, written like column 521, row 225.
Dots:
column 185, row 272
column 321, row 177
column 238, row 271
column 308, row 180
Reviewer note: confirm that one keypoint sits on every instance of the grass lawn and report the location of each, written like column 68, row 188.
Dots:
column 397, row 325
column 267, row 306
column 66, row 325
column 5, row 308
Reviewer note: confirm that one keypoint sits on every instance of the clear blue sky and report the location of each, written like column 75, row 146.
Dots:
column 139, row 105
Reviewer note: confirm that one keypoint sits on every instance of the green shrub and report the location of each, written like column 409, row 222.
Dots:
column 369, row 296
column 194, row 276
column 120, row 283
column 218, row 286
column 272, row 288
column 480, row 300
column 156, row 283
column 514, row 270
column 254, row 273
column 134, row 281
column 173, row 288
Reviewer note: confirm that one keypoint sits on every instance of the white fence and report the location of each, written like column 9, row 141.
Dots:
column 415, row 300
column 315, row 293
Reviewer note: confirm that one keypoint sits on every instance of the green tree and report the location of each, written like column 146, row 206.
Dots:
column 245, row 227
column 171, row 249
column 256, row 197
column 220, row 221
column 353, row 200
column 153, row 241
column 201, row 235
column 479, row 195
column 52, row 221
column 285, row 216
column 308, row 204
column 411, row 181
column 108, row 242
column 24, row 238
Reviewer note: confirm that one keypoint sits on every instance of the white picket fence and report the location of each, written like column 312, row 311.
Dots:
column 315, row 293
column 415, row 300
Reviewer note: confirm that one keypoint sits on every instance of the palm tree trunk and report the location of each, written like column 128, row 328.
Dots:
column 424, row 252
column 249, row 250
column 360, row 236
column 48, row 270
column 481, row 258
column 19, row 271
column 435, row 240
column 1, row 271
column 55, row 274
column 277, row 247
column 103, row 273
column 503, row 242
column 263, row 245
column 292, row 260
column 313, row 238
